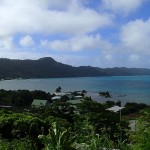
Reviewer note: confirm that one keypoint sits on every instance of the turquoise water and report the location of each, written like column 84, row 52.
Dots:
column 124, row 88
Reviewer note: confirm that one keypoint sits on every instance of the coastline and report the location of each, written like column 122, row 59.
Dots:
column 124, row 88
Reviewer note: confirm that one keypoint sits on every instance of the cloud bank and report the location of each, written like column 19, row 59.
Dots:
column 103, row 33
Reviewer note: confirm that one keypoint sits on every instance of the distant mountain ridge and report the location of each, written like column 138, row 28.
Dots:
column 47, row 68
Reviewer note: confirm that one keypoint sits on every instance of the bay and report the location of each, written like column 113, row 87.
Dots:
column 124, row 88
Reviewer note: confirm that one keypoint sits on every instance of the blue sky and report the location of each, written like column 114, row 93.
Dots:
column 101, row 33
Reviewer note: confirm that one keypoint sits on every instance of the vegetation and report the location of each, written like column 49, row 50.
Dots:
column 22, row 98
column 63, row 126
column 58, row 89
column 57, row 139
column 48, row 67
column 133, row 108
column 142, row 137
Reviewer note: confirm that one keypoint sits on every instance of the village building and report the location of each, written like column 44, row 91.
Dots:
column 38, row 103
column 55, row 98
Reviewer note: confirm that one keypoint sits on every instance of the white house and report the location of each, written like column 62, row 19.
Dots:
column 56, row 98
column 59, row 93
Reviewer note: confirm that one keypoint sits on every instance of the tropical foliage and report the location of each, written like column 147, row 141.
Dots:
column 65, row 126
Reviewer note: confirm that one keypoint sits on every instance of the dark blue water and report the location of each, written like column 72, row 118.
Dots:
column 124, row 88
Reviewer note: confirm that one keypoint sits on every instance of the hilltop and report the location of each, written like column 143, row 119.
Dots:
column 47, row 68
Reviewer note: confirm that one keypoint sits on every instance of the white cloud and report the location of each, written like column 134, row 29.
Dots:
column 48, row 16
column 125, row 6
column 134, row 57
column 73, row 59
column 135, row 35
column 109, row 57
column 6, row 44
column 71, row 26
column 26, row 41
column 78, row 43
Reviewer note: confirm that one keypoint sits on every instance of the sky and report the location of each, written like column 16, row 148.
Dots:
column 100, row 33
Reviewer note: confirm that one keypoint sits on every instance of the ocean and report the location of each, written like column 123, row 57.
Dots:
column 124, row 88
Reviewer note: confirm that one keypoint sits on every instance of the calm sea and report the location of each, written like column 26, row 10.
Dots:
column 124, row 88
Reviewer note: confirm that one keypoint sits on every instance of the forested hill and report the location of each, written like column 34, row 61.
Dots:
column 48, row 67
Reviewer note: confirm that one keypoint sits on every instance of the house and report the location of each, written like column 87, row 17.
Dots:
column 115, row 108
column 56, row 98
column 59, row 93
column 38, row 103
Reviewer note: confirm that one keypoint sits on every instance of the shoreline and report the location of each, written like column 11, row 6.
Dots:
column 123, row 88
